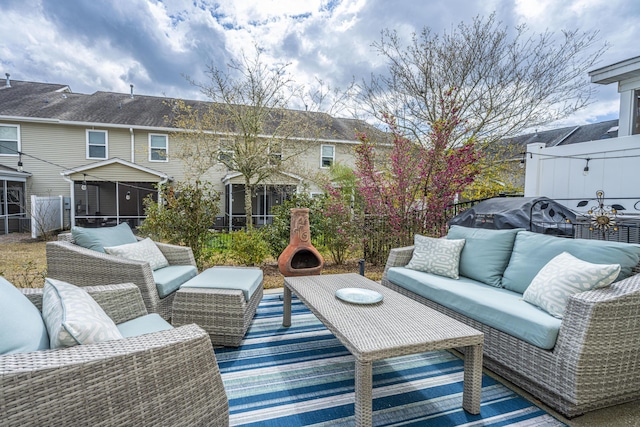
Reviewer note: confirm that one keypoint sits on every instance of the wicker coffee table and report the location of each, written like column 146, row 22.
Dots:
column 396, row 326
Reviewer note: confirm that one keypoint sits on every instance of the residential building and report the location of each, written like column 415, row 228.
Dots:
column 607, row 158
column 105, row 152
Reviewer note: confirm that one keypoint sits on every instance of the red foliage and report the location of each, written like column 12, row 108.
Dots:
column 417, row 181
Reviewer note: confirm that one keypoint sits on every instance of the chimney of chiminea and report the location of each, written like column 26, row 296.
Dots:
column 131, row 96
column 8, row 82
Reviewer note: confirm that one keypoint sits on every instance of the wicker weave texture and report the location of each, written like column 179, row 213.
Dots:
column 168, row 378
column 85, row 267
column 223, row 313
column 397, row 326
column 595, row 362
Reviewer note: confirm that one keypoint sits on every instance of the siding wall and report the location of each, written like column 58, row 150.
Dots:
column 57, row 147
column 558, row 173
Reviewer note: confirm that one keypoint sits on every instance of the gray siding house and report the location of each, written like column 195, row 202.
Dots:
column 104, row 152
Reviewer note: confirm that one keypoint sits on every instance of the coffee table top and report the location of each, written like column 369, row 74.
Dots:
column 396, row 326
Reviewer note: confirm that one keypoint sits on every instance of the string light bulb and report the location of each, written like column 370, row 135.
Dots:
column 83, row 187
column 585, row 171
column 20, row 168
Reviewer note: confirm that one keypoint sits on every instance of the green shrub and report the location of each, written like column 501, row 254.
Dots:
column 249, row 248
column 184, row 216
column 277, row 233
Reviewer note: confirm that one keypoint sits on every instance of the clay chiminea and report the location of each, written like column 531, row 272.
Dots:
column 300, row 258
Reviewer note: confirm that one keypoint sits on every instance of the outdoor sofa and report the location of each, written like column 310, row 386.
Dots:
column 584, row 358
column 169, row 377
column 79, row 257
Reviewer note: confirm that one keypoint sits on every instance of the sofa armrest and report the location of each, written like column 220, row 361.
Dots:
column 398, row 257
column 601, row 328
column 65, row 237
column 121, row 302
column 85, row 267
column 177, row 255
column 164, row 378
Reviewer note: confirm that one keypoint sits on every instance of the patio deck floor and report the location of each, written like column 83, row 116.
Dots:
column 624, row 415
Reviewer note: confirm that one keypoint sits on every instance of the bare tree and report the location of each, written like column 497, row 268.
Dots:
column 506, row 80
column 248, row 128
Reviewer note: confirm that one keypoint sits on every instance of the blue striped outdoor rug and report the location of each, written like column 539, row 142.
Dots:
column 303, row 376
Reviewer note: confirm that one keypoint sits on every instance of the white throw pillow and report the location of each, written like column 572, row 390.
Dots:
column 436, row 256
column 566, row 275
column 144, row 250
column 73, row 317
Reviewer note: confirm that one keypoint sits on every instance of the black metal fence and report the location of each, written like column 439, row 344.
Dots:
column 377, row 239
column 626, row 231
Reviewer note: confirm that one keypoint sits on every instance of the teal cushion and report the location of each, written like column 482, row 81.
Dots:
column 245, row 279
column 532, row 251
column 22, row 328
column 499, row 308
column 144, row 325
column 485, row 254
column 169, row 279
column 97, row 238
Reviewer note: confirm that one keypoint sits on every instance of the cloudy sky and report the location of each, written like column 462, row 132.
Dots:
column 106, row 45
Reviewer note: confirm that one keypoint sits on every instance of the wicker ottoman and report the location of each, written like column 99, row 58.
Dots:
column 222, row 301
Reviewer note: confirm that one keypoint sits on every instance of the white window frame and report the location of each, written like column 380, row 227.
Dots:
column 106, row 144
column 18, row 145
column 166, row 148
column 323, row 157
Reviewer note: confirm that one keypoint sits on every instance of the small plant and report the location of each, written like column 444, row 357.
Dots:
column 183, row 216
column 339, row 225
column 249, row 248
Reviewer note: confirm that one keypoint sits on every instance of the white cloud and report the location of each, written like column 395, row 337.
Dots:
column 103, row 45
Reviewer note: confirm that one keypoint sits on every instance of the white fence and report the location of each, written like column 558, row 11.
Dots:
column 47, row 214
column 571, row 174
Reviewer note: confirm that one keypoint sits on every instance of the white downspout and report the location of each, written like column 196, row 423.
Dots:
column 230, row 207
column 133, row 146
column 160, row 184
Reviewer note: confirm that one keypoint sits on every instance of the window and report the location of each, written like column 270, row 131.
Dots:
column 158, row 148
column 97, row 144
column 275, row 153
column 225, row 154
column 9, row 140
column 327, row 156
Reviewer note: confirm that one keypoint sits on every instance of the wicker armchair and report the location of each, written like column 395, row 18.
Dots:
column 74, row 264
column 167, row 378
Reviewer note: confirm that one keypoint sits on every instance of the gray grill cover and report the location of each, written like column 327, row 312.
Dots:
column 537, row 214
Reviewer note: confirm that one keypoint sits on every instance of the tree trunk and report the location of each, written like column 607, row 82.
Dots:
column 248, row 206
